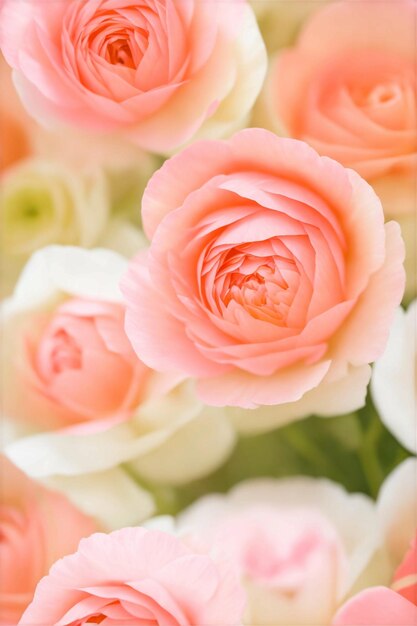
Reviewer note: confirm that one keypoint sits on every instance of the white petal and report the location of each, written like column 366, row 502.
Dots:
column 112, row 497
column 124, row 238
column 58, row 270
column 328, row 399
column 394, row 379
column 397, row 509
column 196, row 449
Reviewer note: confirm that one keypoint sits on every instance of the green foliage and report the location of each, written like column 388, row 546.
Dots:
column 355, row 450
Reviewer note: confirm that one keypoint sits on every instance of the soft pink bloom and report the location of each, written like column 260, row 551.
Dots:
column 380, row 606
column 300, row 545
column 37, row 527
column 348, row 87
column 79, row 363
column 136, row 576
column 270, row 272
column 157, row 71
column 291, row 559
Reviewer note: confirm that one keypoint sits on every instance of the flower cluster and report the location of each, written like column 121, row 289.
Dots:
column 208, row 312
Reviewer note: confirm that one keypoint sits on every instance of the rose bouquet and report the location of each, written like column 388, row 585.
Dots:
column 208, row 314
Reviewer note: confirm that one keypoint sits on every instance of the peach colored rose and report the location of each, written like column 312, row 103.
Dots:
column 37, row 527
column 80, row 361
column 136, row 576
column 16, row 127
column 157, row 71
column 349, row 88
column 270, row 274
column 71, row 383
column 382, row 606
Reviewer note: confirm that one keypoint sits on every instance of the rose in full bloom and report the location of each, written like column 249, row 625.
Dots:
column 383, row 606
column 37, row 528
column 301, row 545
column 159, row 72
column 16, row 127
column 72, row 384
column 394, row 384
column 271, row 277
column 348, row 87
column 137, row 576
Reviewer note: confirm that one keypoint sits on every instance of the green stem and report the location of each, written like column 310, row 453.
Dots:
column 368, row 456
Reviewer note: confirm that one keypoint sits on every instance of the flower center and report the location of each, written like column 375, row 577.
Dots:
column 119, row 53
column 378, row 95
column 65, row 353
column 263, row 285
column 58, row 352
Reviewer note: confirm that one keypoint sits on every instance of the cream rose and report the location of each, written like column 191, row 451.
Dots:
column 48, row 201
column 72, row 384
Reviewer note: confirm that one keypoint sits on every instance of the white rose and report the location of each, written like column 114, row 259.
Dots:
column 302, row 545
column 397, row 510
column 46, row 202
column 394, row 384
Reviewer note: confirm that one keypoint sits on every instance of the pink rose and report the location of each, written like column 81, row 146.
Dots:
column 136, row 576
column 348, row 87
column 270, row 274
column 37, row 527
column 78, row 359
column 157, row 71
column 381, row 606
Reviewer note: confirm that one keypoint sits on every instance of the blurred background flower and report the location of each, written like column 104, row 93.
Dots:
column 44, row 202
column 37, row 527
column 301, row 545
